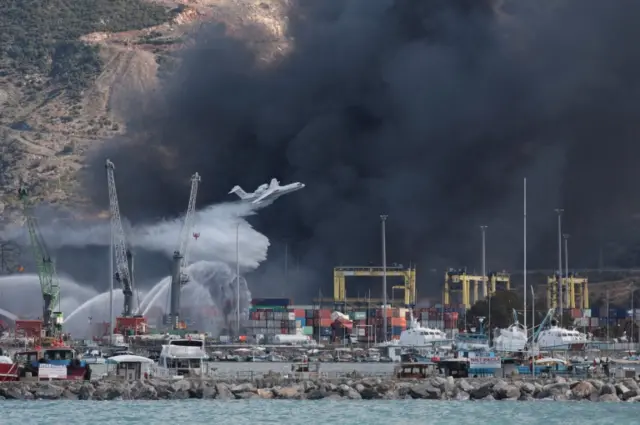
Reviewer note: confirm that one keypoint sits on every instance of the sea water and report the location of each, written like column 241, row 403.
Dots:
column 343, row 412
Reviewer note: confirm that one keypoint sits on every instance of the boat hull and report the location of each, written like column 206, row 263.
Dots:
column 9, row 372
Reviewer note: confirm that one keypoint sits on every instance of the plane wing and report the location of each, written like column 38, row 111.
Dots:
column 262, row 197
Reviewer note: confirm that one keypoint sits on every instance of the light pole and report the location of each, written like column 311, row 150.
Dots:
column 632, row 288
column 111, row 277
column 286, row 264
column 383, row 218
column 566, row 263
column 524, row 249
column 560, row 298
column 486, row 284
column 484, row 263
column 238, row 279
column 533, row 327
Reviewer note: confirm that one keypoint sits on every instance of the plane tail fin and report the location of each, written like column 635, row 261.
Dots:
column 240, row 192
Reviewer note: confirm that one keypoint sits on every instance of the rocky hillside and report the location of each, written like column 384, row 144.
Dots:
column 69, row 68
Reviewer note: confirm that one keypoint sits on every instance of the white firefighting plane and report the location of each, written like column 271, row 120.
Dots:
column 265, row 194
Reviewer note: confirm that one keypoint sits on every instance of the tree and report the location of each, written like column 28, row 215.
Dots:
column 502, row 305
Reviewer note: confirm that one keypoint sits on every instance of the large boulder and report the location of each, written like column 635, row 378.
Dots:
column 293, row 392
column 426, row 391
column 47, row 392
column 501, row 390
column 481, row 392
column 222, row 392
column 582, row 390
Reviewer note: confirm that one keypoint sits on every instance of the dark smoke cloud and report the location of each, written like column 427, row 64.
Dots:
column 431, row 111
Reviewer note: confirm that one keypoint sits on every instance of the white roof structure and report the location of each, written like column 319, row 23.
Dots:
column 183, row 352
column 128, row 358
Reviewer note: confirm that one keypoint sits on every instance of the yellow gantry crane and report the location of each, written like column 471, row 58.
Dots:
column 575, row 287
column 460, row 281
column 340, row 275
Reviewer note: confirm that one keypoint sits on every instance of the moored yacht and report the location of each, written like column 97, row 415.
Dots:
column 473, row 341
column 554, row 337
column 181, row 357
column 418, row 336
column 513, row 338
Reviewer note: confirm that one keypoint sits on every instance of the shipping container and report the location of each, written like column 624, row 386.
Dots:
column 396, row 330
column 280, row 302
column 309, row 314
column 595, row 312
column 586, row 312
column 450, row 324
column 300, row 323
column 322, row 314
column 581, row 322
column 452, row 316
column 595, row 322
column 326, row 331
column 399, row 321
column 360, row 315
column 576, row 313
column 325, row 323
column 307, row 330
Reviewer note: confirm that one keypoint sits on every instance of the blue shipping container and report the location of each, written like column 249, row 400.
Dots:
column 595, row 312
column 396, row 330
column 301, row 323
column 281, row 302
column 326, row 331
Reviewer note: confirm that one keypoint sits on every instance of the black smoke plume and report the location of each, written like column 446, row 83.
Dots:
column 430, row 111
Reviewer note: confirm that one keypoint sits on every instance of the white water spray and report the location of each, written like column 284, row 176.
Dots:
column 212, row 280
column 21, row 295
column 215, row 225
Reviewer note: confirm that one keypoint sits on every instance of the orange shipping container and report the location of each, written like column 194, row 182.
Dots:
column 322, row 314
column 325, row 323
column 399, row 321
column 450, row 324
column 298, row 313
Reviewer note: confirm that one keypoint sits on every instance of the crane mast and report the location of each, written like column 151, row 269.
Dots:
column 180, row 256
column 49, row 284
column 187, row 227
column 122, row 254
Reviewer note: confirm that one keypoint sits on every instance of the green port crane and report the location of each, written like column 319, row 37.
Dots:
column 49, row 284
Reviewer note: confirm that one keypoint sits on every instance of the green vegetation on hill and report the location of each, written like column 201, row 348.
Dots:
column 41, row 36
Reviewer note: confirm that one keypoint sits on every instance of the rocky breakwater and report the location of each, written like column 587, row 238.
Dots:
column 436, row 388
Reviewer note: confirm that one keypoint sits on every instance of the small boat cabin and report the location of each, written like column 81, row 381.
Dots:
column 415, row 370
column 456, row 367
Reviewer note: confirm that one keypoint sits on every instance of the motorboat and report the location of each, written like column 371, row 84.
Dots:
column 550, row 336
column 93, row 356
column 558, row 338
column 513, row 338
column 473, row 341
column 180, row 358
column 8, row 369
column 418, row 336
column 33, row 361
